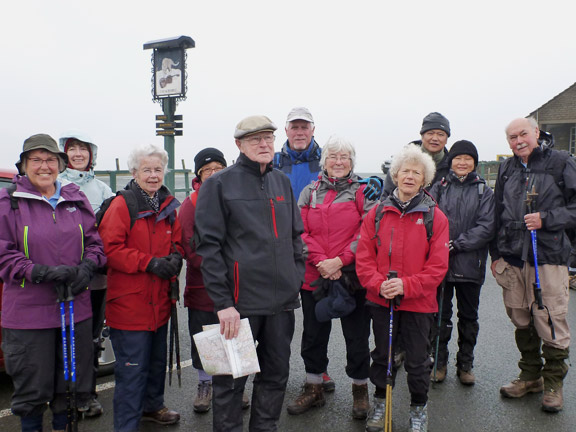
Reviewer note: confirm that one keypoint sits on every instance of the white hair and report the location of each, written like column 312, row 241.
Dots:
column 136, row 155
column 413, row 153
column 336, row 144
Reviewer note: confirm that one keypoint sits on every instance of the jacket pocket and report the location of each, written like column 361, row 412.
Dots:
column 512, row 293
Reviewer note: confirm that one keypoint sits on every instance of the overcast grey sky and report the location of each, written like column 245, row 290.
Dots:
column 369, row 70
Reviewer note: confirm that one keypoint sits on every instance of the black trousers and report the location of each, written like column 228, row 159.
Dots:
column 468, row 301
column 274, row 334
column 414, row 330
column 34, row 361
column 98, row 300
column 316, row 335
column 197, row 319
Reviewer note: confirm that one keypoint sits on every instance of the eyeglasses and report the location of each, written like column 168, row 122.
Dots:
column 210, row 170
column 334, row 158
column 255, row 140
column 150, row 171
column 37, row 162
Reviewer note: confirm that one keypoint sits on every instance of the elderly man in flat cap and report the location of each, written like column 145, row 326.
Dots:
column 249, row 229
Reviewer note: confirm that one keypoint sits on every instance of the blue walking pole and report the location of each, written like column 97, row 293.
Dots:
column 530, row 198
column 69, row 363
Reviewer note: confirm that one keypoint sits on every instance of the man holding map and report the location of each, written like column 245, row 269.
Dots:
column 249, row 229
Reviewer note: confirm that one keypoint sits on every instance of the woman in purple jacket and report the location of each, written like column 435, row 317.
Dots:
column 48, row 240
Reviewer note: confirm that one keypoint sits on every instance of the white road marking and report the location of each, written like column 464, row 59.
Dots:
column 99, row 388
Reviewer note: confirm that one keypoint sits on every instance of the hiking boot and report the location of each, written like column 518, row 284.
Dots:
column 328, row 383
column 93, row 408
column 466, row 377
column 572, row 283
column 440, row 374
column 519, row 388
column 376, row 417
column 163, row 416
column 312, row 396
column 245, row 400
column 361, row 405
column 203, row 399
column 418, row 419
column 552, row 401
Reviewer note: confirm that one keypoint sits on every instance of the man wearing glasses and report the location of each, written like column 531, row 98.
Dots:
column 249, row 229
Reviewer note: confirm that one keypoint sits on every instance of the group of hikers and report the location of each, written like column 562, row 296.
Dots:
column 264, row 236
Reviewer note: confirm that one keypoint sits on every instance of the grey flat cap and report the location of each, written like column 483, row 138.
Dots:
column 253, row 124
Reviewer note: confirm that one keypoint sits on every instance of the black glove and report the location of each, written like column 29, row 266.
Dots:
column 61, row 274
column 177, row 259
column 164, row 267
column 374, row 186
column 451, row 248
column 86, row 271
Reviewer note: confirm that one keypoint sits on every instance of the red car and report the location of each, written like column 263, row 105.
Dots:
column 6, row 176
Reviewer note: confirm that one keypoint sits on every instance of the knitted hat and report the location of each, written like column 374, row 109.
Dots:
column 207, row 155
column 463, row 147
column 435, row 120
column 43, row 142
column 253, row 124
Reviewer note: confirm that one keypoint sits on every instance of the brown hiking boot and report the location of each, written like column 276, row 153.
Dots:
column 312, row 396
column 203, row 399
column 519, row 388
column 552, row 401
column 467, row 378
column 440, row 374
column 361, row 405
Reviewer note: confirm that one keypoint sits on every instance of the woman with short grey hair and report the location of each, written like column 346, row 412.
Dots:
column 336, row 145
column 413, row 154
column 332, row 210
column 142, row 240
column 401, row 259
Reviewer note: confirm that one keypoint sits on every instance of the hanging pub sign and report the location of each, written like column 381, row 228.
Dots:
column 169, row 66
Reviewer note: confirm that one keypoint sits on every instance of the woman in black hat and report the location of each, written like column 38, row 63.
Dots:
column 468, row 202
column 207, row 162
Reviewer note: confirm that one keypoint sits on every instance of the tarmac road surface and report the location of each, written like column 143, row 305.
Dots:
column 452, row 407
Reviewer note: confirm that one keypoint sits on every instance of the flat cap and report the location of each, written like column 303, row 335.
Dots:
column 251, row 125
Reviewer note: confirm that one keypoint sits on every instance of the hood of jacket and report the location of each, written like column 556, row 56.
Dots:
column 80, row 137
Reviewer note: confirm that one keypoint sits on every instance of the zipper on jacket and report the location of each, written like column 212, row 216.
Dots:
column 236, row 282
column 26, row 252
column 274, row 217
column 54, row 216
column 82, row 241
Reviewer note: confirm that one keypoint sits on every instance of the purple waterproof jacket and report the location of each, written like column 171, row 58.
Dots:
column 35, row 233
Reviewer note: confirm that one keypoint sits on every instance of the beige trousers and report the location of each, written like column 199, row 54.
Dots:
column 518, row 293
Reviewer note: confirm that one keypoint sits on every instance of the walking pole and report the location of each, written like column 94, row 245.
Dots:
column 388, row 412
column 174, row 336
column 440, row 304
column 530, row 198
column 69, row 371
column 73, row 404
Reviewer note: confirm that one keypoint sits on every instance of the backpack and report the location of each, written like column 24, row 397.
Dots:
column 131, row 203
column 428, row 221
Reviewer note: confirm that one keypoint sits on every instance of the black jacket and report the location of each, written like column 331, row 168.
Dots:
column 442, row 170
column 553, row 175
column 249, row 229
column 469, row 206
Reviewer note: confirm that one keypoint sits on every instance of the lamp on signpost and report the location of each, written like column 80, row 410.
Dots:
column 168, row 87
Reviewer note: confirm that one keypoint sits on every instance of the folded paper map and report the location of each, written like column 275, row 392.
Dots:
column 220, row 356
